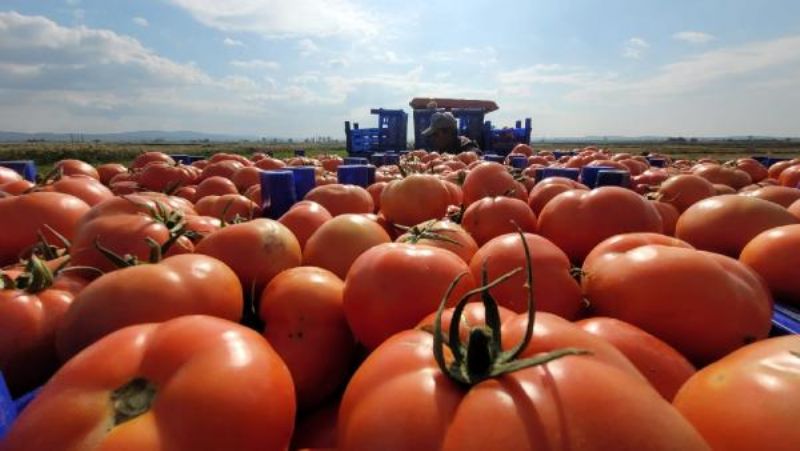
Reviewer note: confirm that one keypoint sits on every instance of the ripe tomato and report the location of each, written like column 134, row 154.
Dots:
column 669, row 216
column 107, row 171
column 177, row 286
column 777, row 169
column 491, row 217
column 270, row 163
column 228, row 207
column 664, row 367
column 731, row 177
column 31, row 308
column 444, row 235
column 257, row 251
column 488, row 180
column 790, row 176
column 554, row 403
column 781, row 195
column 748, row 399
column 683, row 191
column 754, row 169
column 795, row 209
column 215, row 186
column 703, row 304
column 8, row 175
column 194, row 382
column 302, row 312
column 76, row 167
column 338, row 242
column 577, row 220
column 725, row 224
column 22, row 217
column 223, row 156
column 415, row 199
column 16, row 187
column 554, row 289
column 340, row 199
column 391, row 287
column 549, row 188
column 304, row 218
column 618, row 245
column 774, row 255
column 224, row 168
column 246, row 177
column 85, row 188
column 163, row 177
column 146, row 158
column 375, row 190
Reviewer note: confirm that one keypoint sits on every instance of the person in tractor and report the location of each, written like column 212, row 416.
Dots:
column 443, row 135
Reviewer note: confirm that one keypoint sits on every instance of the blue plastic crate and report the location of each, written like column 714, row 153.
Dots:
column 613, row 177
column 589, row 174
column 277, row 193
column 354, row 175
column 569, row 173
column 25, row 168
column 8, row 412
column 503, row 140
column 785, row 320
column 391, row 133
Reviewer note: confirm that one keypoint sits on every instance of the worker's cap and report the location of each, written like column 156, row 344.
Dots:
column 441, row 121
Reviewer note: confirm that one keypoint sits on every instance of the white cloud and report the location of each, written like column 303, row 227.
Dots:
column 256, row 64
column 483, row 56
column 280, row 18
column 390, row 57
column 307, row 47
column 547, row 74
column 141, row 21
column 693, row 37
column 634, row 48
column 230, row 42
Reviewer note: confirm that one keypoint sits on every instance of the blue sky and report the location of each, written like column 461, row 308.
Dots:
column 301, row 67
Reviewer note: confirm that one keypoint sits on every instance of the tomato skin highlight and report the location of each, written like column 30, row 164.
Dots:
column 199, row 367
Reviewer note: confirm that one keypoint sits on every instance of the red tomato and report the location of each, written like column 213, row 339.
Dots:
column 304, row 218
column 790, row 176
column 257, row 251
column 177, row 286
column 725, row 224
column 577, row 220
column 223, row 156
column 488, row 180
column 664, row 367
column 109, row 170
column 731, row 177
column 753, row 168
column 146, row 158
column 748, row 399
column 549, row 188
column 683, row 191
column 22, row 217
column 340, row 199
column 777, row 169
column 83, row 187
column 224, row 168
column 669, row 216
column 165, row 177
column 302, row 310
column 795, row 209
column 616, row 246
column 215, row 186
column 415, row 199
column 554, row 288
column 555, row 403
column 194, row 382
column 391, row 287
column 246, row 177
column 228, row 208
column 338, row 242
column 270, row 163
column 76, row 167
column 781, row 195
column 8, row 175
column 444, row 235
column 17, row 187
column 491, row 217
column 703, row 304
column 774, row 255
column 201, row 226
column 31, row 309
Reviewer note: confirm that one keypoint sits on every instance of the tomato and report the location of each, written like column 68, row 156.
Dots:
column 777, row 169
column 791, row 176
column 257, row 251
column 669, row 216
column 341, row 199
column 270, row 163
column 224, row 168
column 195, row 382
column 443, row 234
column 332, row 164
column 304, row 218
column 165, row 177
column 123, row 188
column 748, row 399
column 188, row 192
column 375, row 190
column 705, row 305
column 725, row 224
column 578, row 220
column 246, row 177
column 107, row 171
column 22, row 217
column 390, row 287
column 552, row 405
column 664, row 367
column 146, row 158
column 338, row 242
column 228, row 208
column 198, row 227
column 795, row 209
column 753, row 168
column 8, row 175
column 491, row 217
column 76, row 167
column 415, row 199
column 223, row 156
column 31, row 308
column 781, row 195
column 83, row 187
column 302, row 310
column 720, row 189
column 774, row 255
column 17, row 187
column 487, row 180
column 549, row 188
column 683, row 191
column 554, row 288
column 731, row 177
column 215, row 186
column 177, row 286
column 522, row 149
column 618, row 245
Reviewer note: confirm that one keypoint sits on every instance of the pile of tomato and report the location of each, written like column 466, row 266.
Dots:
column 452, row 304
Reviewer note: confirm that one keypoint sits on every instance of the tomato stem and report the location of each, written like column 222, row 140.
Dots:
column 132, row 399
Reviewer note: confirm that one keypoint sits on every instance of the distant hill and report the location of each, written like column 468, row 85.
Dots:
column 136, row 136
